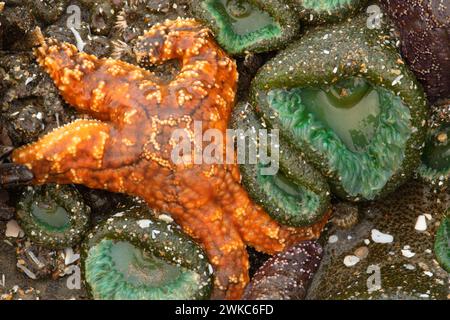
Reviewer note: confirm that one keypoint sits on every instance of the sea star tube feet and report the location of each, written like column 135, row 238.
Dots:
column 128, row 149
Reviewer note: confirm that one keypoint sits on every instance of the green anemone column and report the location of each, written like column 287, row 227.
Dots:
column 435, row 167
column 325, row 11
column 248, row 25
column 134, row 256
column 442, row 243
column 53, row 216
column 296, row 194
column 345, row 99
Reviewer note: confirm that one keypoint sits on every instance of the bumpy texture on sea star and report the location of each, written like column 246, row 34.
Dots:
column 129, row 149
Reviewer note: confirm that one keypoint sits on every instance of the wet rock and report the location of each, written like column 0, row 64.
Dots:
column 103, row 16
column 404, row 268
column 30, row 104
column 36, row 262
column 424, row 28
column 247, row 68
column 135, row 17
column 60, row 31
column 18, row 293
column 48, row 11
column 287, row 275
column 103, row 204
column 257, row 259
column 6, row 211
column 99, row 46
column 16, row 24
column 49, row 287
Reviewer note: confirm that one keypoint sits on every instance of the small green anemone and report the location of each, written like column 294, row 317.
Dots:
column 133, row 256
column 324, row 11
column 248, row 25
column 344, row 98
column 54, row 216
column 296, row 195
column 435, row 167
column 442, row 244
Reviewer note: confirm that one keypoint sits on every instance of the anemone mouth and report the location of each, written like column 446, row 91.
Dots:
column 134, row 257
column 54, row 216
column 243, row 18
column 363, row 144
column 240, row 31
column 350, row 108
column 442, row 244
column 435, row 167
column 248, row 25
column 295, row 194
column 50, row 216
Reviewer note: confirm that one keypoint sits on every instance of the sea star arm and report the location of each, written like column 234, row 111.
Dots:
column 104, row 88
column 202, row 216
column 79, row 144
column 254, row 224
column 207, row 79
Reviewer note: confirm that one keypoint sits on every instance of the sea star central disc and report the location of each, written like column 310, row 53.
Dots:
column 128, row 149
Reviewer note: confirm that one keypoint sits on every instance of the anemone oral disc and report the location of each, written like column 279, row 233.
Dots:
column 52, row 216
column 350, row 110
column 244, row 17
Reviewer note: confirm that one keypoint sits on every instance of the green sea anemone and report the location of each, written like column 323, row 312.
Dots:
column 345, row 99
column 248, row 25
column 442, row 244
column 54, row 216
column 296, row 195
column 324, row 11
column 435, row 167
column 133, row 256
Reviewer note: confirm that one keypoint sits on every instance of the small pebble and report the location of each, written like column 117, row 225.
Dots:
column 350, row 261
column 70, row 257
column 13, row 229
column 333, row 239
column 380, row 237
column 409, row 266
column 362, row 252
column 421, row 223
column 166, row 218
column 408, row 253
column 145, row 223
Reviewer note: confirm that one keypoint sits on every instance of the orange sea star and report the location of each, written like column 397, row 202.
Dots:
column 129, row 149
